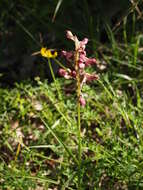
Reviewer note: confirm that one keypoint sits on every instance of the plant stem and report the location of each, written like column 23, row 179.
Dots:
column 78, row 119
column 53, row 76
column 79, row 146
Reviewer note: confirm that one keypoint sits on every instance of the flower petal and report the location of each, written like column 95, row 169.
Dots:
column 90, row 61
column 91, row 77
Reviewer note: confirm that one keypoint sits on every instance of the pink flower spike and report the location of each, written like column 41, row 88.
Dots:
column 77, row 61
column 82, row 101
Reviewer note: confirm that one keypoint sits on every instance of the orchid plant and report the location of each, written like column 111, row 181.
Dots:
column 78, row 61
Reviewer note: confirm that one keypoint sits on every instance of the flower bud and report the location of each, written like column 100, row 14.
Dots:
column 81, row 65
column 91, row 77
column 69, row 35
column 90, row 61
column 64, row 73
column 82, row 101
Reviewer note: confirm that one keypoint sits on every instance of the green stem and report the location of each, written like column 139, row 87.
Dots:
column 78, row 119
column 79, row 146
column 60, row 64
column 53, row 76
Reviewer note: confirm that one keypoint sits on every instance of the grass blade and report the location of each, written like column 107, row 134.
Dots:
column 56, row 10
column 59, row 140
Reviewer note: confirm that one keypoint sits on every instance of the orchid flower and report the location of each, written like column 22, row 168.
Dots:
column 82, row 62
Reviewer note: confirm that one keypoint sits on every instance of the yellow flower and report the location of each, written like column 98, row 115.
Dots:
column 49, row 53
